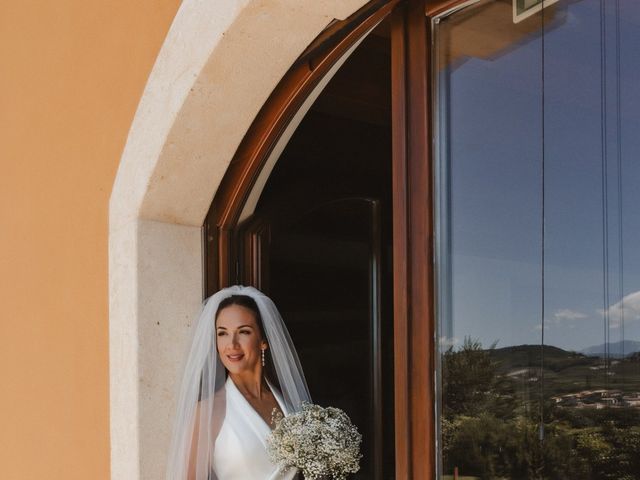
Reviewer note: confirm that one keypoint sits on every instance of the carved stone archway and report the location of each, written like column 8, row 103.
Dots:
column 217, row 67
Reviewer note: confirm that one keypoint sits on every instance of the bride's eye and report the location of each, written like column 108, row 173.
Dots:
column 245, row 331
column 221, row 333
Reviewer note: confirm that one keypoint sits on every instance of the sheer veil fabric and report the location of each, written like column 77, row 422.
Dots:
column 201, row 401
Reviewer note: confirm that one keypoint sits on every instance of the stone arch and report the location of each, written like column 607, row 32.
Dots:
column 217, row 67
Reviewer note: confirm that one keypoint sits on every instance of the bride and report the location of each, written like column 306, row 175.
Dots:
column 242, row 365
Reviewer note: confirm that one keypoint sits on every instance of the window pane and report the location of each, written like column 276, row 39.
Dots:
column 490, row 232
column 538, row 267
column 592, row 394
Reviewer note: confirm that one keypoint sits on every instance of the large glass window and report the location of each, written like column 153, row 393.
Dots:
column 538, row 240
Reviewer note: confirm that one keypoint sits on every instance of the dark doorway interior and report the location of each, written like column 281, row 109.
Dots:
column 324, row 230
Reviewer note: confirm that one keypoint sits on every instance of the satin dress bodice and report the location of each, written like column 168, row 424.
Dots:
column 240, row 449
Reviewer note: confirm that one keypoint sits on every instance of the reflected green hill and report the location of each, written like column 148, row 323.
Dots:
column 619, row 349
column 530, row 412
column 566, row 371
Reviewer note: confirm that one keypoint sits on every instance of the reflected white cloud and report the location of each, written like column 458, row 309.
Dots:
column 568, row 314
column 627, row 309
column 446, row 342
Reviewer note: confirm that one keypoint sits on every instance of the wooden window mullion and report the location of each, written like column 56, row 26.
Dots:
column 413, row 246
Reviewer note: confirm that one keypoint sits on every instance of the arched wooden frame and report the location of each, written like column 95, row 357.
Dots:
column 414, row 324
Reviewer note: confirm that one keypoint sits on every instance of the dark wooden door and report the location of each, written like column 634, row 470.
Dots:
column 324, row 269
column 320, row 244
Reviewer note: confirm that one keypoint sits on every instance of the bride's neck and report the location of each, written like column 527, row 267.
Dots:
column 250, row 384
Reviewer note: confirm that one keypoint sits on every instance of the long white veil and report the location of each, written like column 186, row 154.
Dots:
column 201, row 400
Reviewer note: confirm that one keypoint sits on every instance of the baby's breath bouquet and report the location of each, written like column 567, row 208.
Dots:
column 321, row 442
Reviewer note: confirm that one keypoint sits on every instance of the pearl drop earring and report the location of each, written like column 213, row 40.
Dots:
column 263, row 357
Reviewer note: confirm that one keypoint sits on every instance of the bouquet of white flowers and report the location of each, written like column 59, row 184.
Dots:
column 321, row 442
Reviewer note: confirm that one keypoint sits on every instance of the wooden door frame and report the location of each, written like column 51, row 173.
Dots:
column 413, row 222
column 414, row 312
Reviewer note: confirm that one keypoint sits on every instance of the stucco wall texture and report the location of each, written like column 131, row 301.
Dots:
column 72, row 74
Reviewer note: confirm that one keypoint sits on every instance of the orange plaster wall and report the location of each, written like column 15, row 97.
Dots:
column 71, row 75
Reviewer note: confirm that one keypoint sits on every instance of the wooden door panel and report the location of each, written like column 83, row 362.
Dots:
column 323, row 268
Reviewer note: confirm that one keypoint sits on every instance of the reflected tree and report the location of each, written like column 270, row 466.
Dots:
column 487, row 433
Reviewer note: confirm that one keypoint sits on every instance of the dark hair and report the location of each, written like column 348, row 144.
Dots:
column 250, row 303
column 243, row 301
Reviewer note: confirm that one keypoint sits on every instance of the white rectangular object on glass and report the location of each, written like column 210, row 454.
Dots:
column 525, row 8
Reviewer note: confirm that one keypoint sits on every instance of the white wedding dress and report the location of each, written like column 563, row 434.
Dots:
column 240, row 448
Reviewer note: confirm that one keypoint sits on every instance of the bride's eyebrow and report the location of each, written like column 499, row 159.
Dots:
column 241, row 326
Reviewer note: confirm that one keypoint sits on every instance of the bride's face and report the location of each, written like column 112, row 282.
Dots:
column 238, row 339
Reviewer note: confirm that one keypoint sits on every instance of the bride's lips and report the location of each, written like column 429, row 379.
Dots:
column 235, row 357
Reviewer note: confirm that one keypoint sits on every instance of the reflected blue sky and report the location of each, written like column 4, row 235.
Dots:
column 496, row 150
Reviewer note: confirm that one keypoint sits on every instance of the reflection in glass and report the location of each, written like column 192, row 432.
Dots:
column 537, row 231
